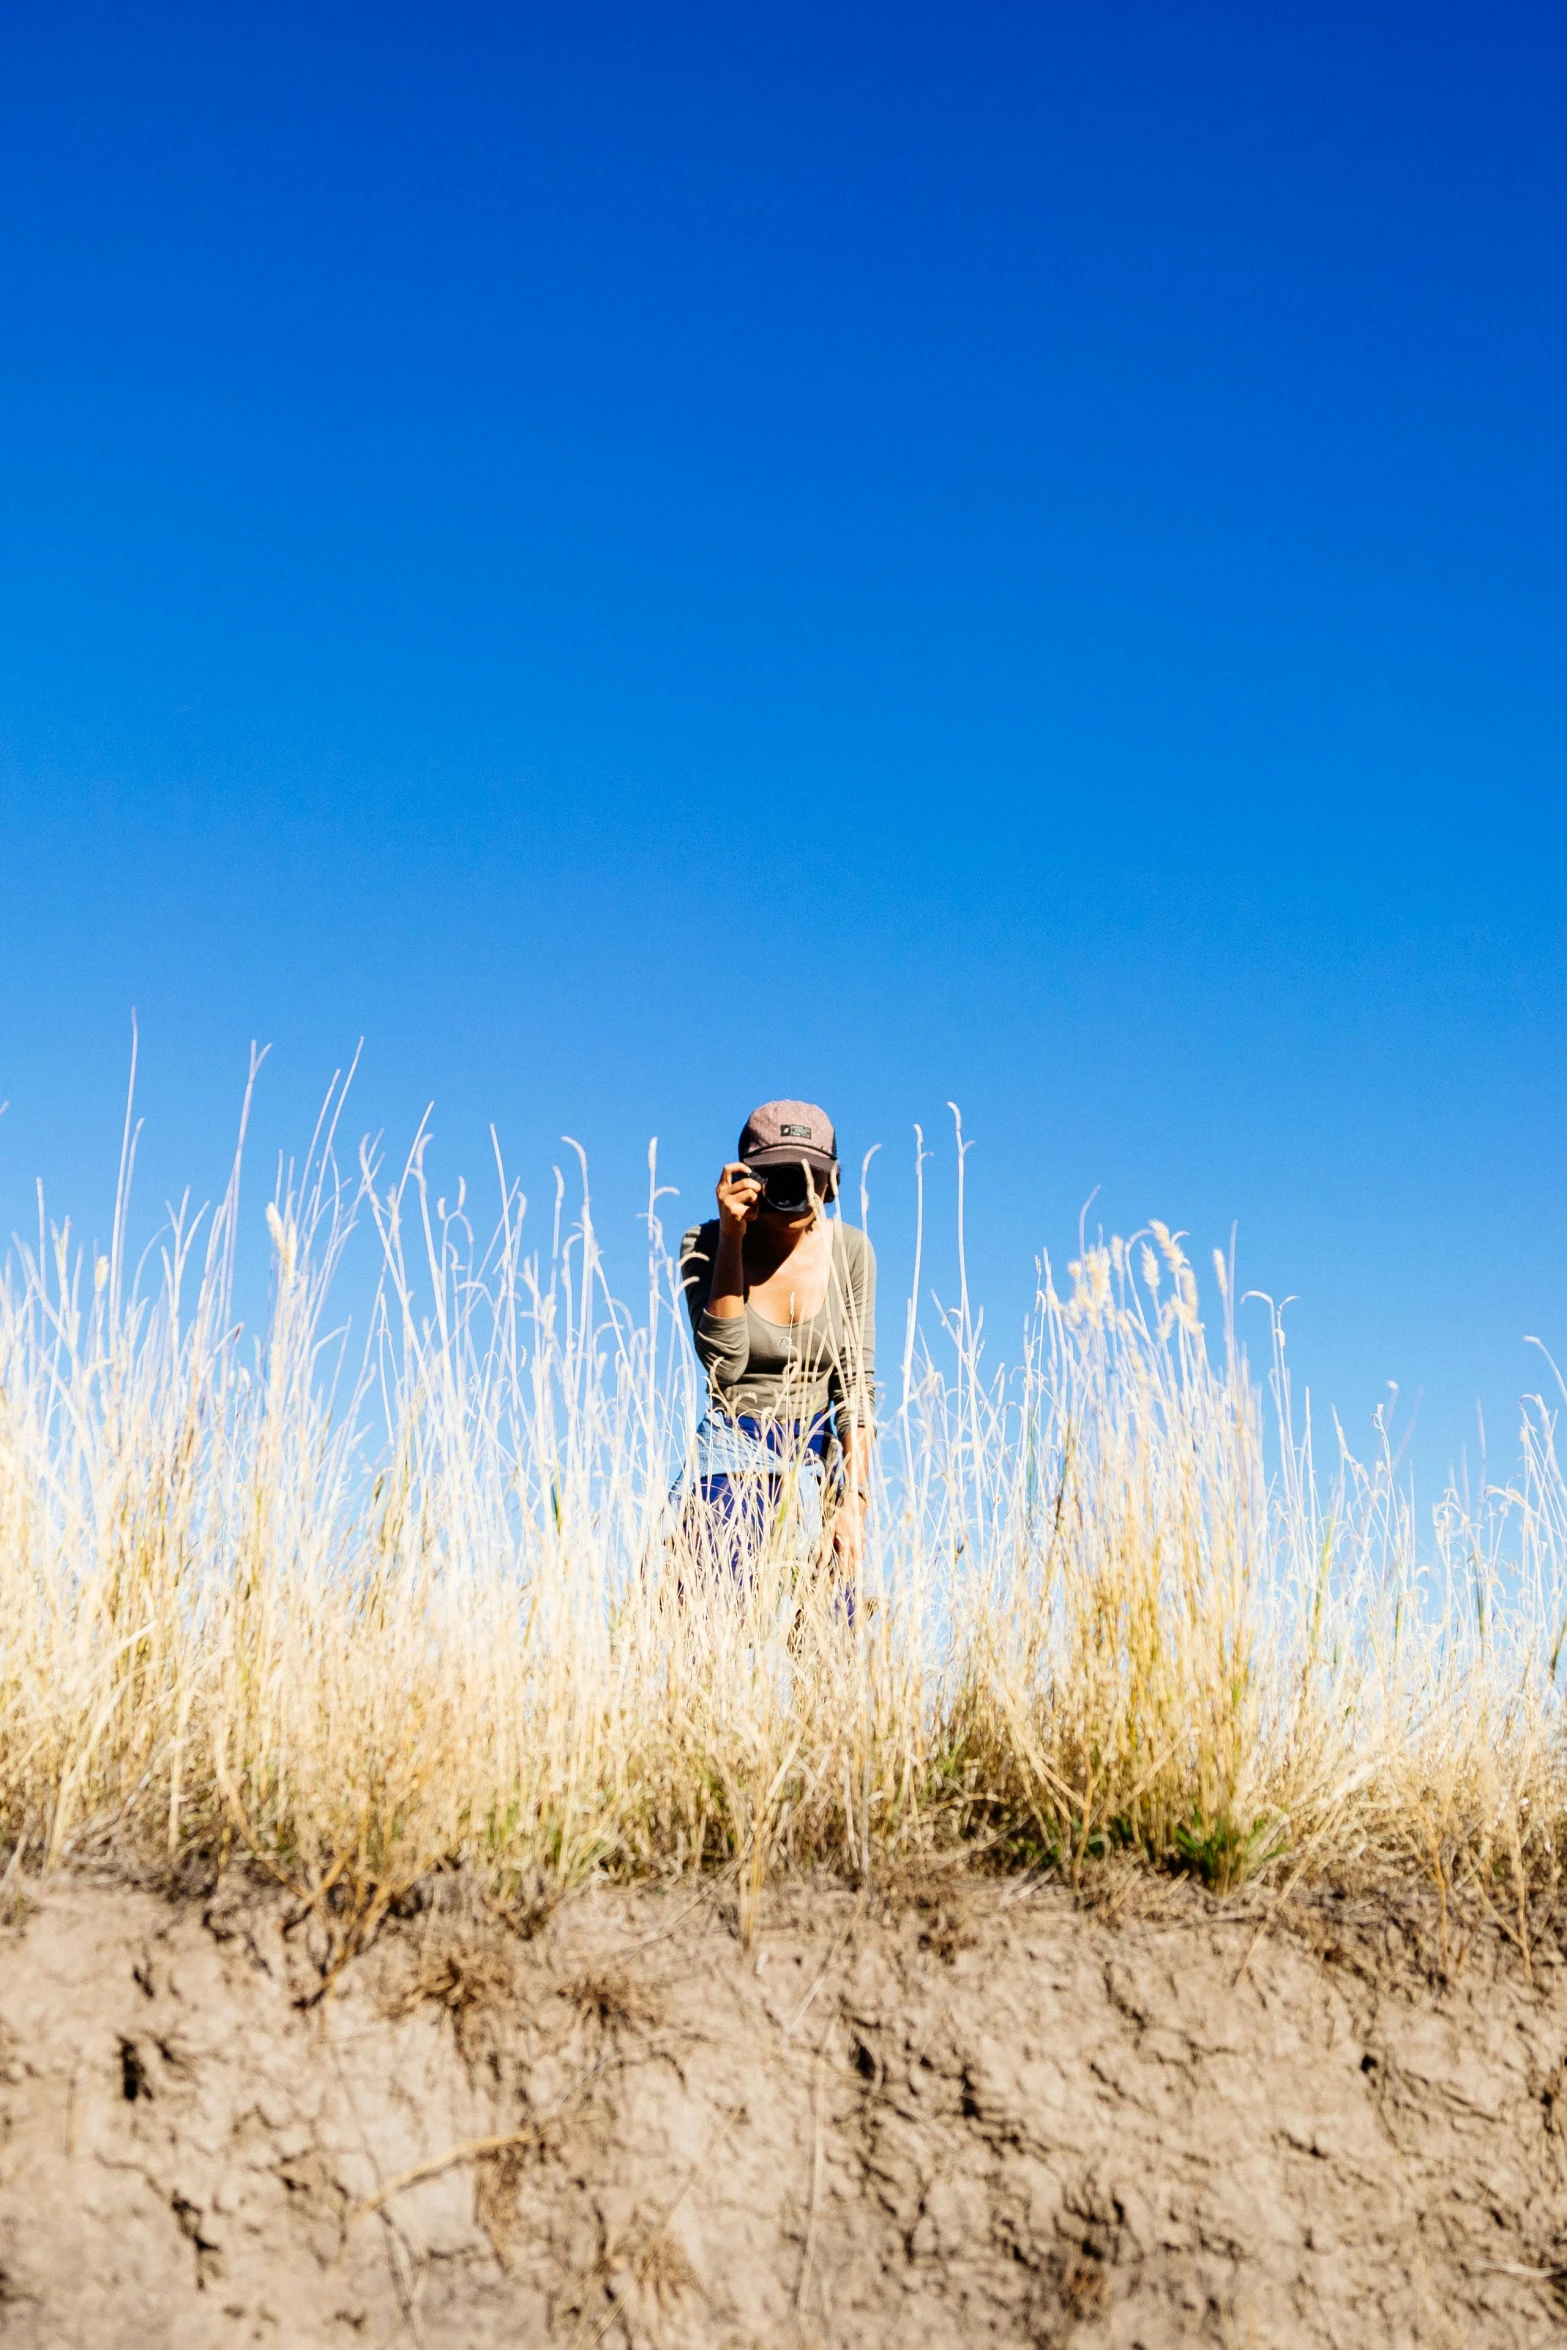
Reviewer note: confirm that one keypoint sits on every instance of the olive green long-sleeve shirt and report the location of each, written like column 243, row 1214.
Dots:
column 796, row 1371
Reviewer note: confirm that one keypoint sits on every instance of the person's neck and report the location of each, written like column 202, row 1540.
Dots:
column 776, row 1245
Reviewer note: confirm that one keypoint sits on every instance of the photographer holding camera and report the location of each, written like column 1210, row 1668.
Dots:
column 782, row 1300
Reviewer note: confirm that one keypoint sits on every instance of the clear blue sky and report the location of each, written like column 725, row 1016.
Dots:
column 641, row 558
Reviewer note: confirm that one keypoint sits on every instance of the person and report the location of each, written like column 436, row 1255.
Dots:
column 782, row 1300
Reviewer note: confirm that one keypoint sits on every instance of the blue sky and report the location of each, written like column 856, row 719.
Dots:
column 640, row 559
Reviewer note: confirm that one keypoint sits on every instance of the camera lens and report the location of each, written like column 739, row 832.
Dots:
column 787, row 1191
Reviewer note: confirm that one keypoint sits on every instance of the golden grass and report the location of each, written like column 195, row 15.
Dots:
column 363, row 1614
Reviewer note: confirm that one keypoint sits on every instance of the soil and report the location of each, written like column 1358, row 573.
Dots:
column 990, row 2115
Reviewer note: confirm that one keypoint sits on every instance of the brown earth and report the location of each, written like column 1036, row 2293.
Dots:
column 993, row 2117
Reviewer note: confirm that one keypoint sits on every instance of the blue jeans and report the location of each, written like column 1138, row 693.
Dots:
column 728, row 1518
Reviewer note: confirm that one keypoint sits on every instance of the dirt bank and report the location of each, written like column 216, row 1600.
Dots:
column 988, row 2119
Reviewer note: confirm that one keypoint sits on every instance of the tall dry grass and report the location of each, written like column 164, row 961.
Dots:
column 358, row 1610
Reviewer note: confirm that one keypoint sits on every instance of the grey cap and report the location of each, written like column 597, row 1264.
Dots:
column 787, row 1134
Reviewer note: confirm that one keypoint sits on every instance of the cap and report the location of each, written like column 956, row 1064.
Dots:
column 783, row 1134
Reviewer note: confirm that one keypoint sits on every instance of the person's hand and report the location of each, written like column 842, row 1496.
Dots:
column 848, row 1538
column 738, row 1192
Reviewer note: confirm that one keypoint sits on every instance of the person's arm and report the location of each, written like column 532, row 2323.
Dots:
column 848, row 1521
column 854, row 1400
column 738, row 1192
column 719, row 1329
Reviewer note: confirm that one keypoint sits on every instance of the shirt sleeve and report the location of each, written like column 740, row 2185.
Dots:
column 851, row 1382
column 723, row 1348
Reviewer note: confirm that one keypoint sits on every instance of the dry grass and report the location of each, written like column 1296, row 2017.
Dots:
column 360, row 1615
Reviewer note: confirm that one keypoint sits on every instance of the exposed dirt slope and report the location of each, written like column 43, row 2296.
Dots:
column 994, row 2121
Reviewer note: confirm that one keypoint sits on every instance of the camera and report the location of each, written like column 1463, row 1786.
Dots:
column 786, row 1191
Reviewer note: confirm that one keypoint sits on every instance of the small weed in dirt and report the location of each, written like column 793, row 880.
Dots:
column 458, row 1977
column 1084, row 2290
column 497, row 2182
column 611, row 1998
column 944, row 1928
column 1218, row 1850
column 645, row 2264
column 463, row 1964
column 661, row 2267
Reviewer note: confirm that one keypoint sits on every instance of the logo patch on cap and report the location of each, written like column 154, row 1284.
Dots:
column 799, row 1133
